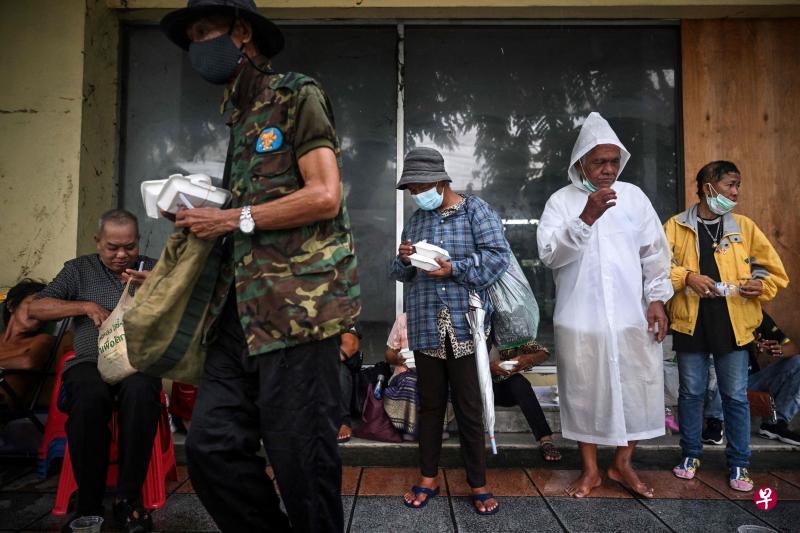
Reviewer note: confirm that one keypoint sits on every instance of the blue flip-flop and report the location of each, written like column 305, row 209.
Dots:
column 482, row 498
column 417, row 490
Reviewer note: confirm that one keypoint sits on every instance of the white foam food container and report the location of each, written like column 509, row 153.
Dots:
column 408, row 356
column 508, row 365
column 431, row 251
column 424, row 263
column 405, row 352
column 150, row 191
column 195, row 188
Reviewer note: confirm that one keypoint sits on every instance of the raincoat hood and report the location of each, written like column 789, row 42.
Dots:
column 595, row 131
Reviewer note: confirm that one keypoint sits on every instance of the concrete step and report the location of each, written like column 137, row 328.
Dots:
column 517, row 446
column 511, row 420
column 520, row 449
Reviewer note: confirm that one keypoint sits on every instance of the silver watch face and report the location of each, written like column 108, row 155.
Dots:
column 247, row 225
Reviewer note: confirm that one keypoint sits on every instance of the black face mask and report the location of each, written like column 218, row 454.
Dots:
column 215, row 60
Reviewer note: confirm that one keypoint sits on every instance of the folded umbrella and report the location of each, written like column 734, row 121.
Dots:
column 476, row 318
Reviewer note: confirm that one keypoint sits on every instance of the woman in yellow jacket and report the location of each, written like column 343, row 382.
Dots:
column 723, row 267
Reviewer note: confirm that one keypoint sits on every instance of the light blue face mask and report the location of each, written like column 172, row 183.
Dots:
column 588, row 185
column 719, row 204
column 429, row 200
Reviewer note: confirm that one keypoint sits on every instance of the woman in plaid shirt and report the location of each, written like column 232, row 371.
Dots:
column 437, row 304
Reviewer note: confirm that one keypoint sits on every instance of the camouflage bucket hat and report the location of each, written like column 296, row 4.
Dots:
column 422, row 165
column 266, row 35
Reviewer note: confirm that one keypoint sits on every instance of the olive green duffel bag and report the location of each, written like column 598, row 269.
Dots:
column 165, row 325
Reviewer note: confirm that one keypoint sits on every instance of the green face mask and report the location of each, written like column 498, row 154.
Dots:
column 719, row 204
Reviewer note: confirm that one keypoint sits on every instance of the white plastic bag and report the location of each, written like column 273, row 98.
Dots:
column 112, row 356
column 515, row 316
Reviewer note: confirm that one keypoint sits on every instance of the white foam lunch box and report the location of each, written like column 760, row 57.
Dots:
column 508, row 365
column 408, row 356
column 426, row 249
column 172, row 193
column 424, row 263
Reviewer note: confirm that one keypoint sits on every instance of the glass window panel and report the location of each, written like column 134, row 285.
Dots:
column 172, row 124
column 504, row 105
column 357, row 68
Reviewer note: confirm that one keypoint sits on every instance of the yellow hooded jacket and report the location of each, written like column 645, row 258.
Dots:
column 748, row 255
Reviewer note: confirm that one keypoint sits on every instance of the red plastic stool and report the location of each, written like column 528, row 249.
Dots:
column 161, row 467
column 55, row 435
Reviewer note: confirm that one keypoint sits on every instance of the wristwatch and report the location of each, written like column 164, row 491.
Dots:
column 246, row 223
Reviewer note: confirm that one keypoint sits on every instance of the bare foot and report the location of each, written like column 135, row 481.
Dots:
column 344, row 433
column 417, row 499
column 584, row 484
column 626, row 476
column 484, row 506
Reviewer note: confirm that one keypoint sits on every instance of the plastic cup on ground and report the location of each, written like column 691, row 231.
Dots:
column 87, row 524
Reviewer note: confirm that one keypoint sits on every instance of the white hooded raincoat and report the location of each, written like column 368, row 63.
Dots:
column 610, row 375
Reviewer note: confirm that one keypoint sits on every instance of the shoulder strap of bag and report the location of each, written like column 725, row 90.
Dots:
column 470, row 211
column 226, row 173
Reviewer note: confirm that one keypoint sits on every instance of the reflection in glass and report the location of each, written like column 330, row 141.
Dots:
column 172, row 124
column 506, row 113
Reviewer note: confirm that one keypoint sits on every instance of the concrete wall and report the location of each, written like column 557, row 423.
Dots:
column 41, row 68
column 58, row 118
column 99, row 129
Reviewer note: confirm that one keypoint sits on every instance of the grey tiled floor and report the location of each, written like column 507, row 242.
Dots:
column 527, row 504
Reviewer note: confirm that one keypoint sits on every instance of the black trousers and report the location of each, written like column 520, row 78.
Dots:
column 516, row 390
column 289, row 399
column 89, row 403
column 433, row 377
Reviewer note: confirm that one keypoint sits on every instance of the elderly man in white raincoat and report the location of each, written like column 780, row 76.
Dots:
column 610, row 260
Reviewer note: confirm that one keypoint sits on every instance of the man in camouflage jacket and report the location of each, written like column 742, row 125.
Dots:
column 288, row 288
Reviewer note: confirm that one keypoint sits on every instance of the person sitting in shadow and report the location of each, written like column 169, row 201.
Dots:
column 87, row 289
column 23, row 345
column 512, row 388
column 400, row 397
column 350, row 359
